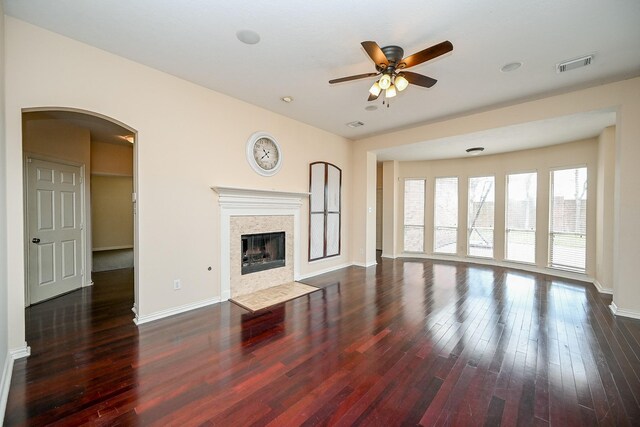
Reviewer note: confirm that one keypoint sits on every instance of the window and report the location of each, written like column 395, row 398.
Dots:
column 324, row 210
column 445, row 227
column 414, row 215
column 521, row 217
column 568, row 222
column 480, row 216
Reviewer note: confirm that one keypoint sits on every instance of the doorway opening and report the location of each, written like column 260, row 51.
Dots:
column 80, row 200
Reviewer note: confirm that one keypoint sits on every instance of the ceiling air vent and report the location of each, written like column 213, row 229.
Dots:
column 355, row 124
column 574, row 63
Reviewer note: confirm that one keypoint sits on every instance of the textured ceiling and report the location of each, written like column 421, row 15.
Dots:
column 305, row 44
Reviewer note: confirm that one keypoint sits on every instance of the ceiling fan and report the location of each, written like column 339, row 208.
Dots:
column 391, row 64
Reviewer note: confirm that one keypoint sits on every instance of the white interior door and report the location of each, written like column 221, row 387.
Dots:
column 55, row 221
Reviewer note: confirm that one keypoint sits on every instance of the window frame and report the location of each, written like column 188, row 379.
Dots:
column 325, row 210
column 550, row 220
column 424, row 212
column 435, row 226
column 493, row 227
column 506, row 216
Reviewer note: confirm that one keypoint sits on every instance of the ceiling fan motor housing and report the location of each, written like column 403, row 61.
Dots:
column 394, row 55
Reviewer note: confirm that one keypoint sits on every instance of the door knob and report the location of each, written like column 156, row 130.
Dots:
column 35, row 240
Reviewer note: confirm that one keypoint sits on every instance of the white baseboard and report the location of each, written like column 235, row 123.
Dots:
column 388, row 256
column 623, row 312
column 324, row 270
column 5, row 383
column 505, row 264
column 601, row 288
column 134, row 309
column 365, row 265
column 20, row 352
column 139, row 320
column 7, row 370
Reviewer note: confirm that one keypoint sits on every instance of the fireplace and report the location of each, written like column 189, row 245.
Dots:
column 262, row 251
column 247, row 212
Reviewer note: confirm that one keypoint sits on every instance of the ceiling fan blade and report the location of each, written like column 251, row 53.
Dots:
column 373, row 97
column 419, row 79
column 356, row 77
column 427, row 54
column 375, row 53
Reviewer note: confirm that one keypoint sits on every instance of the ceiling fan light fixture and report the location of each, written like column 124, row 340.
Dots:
column 401, row 83
column 390, row 92
column 385, row 81
column 375, row 89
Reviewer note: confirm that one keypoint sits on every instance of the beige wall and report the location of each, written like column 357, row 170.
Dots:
column 188, row 139
column 56, row 140
column 111, row 212
column 111, row 159
column 622, row 96
column 4, row 319
column 605, row 203
column 542, row 161
column 390, row 201
column 111, row 189
column 379, row 172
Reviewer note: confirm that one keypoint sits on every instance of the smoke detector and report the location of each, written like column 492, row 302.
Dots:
column 572, row 64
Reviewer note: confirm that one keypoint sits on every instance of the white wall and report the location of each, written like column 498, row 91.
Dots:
column 5, row 363
column 188, row 139
column 622, row 96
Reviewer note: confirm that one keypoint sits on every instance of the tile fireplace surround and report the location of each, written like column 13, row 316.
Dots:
column 247, row 211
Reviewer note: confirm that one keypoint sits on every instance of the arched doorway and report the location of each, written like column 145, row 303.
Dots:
column 80, row 192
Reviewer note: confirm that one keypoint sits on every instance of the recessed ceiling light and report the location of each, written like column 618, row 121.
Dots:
column 287, row 99
column 371, row 107
column 475, row 150
column 248, row 36
column 512, row 66
column 128, row 138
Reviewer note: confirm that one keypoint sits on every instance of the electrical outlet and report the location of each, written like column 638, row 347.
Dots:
column 177, row 284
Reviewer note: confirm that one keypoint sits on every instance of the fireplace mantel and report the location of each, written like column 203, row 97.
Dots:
column 251, row 202
column 234, row 196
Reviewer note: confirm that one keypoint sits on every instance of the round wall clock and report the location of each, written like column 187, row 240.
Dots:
column 264, row 154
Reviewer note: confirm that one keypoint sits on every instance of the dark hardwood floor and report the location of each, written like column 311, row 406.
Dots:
column 403, row 343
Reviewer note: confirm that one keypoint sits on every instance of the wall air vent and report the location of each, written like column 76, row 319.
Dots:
column 573, row 64
column 355, row 124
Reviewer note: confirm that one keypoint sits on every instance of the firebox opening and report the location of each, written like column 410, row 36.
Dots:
column 262, row 251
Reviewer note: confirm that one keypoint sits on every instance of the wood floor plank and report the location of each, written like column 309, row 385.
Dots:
column 406, row 342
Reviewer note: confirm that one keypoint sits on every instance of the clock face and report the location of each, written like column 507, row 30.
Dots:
column 263, row 154
column 266, row 153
